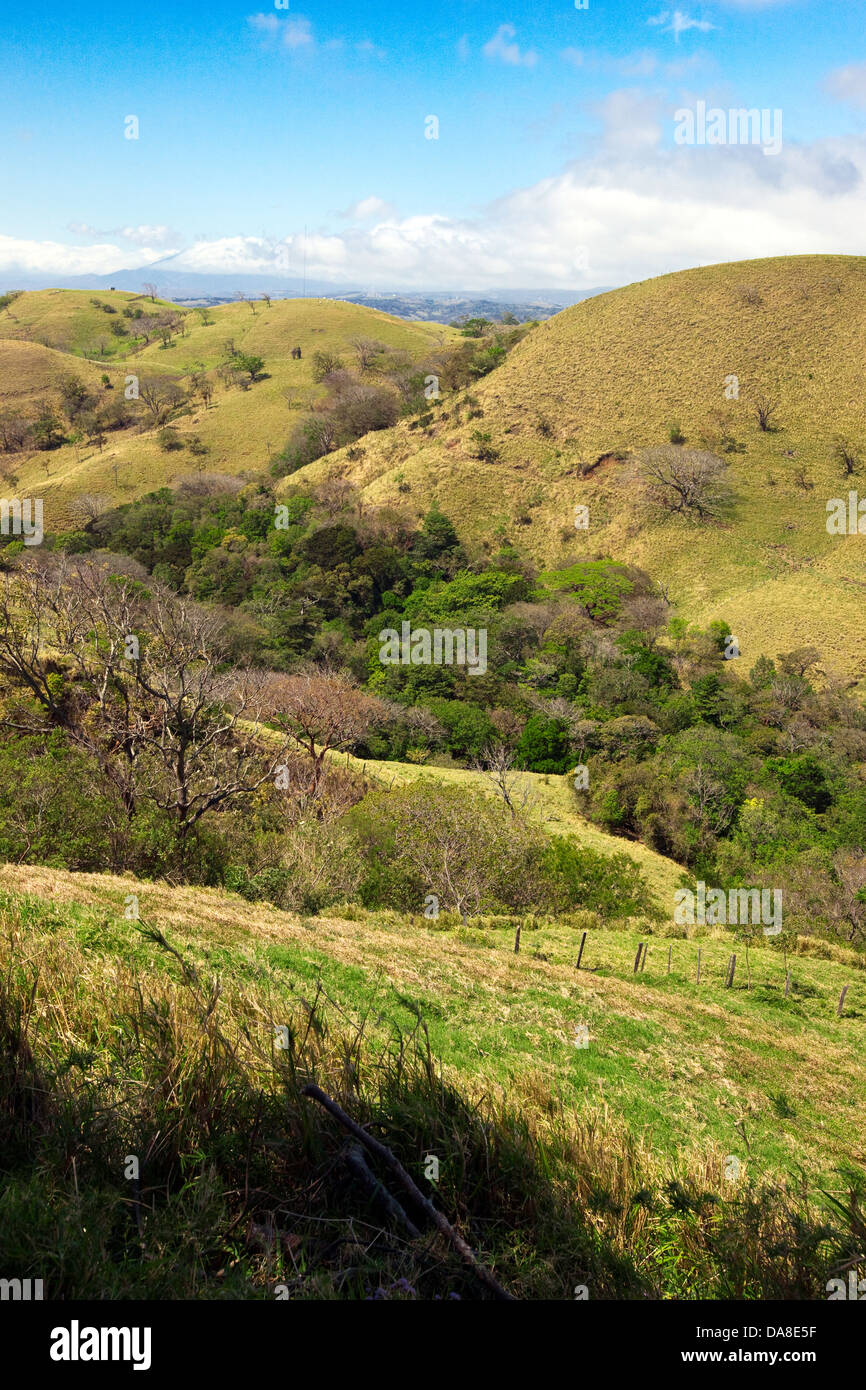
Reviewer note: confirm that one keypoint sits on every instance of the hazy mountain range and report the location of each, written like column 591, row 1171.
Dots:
column 191, row 287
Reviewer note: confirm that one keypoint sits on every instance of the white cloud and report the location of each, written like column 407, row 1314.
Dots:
column 679, row 22
column 154, row 236
column 293, row 33
column 54, row 258
column 144, row 235
column 635, row 65
column 639, row 205
column 296, row 33
column 367, row 208
column 848, row 84
column 501, row 47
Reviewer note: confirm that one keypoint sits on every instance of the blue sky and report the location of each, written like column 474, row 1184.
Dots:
column 555, row 161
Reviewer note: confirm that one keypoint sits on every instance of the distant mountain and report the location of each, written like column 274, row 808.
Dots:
column 450, row 308
column 194, row 288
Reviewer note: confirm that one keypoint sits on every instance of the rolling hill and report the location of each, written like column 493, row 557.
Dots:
column 566, row 418
column 609, row 377
column 240, row 428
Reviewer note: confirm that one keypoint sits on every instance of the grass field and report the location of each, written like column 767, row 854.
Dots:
column 688, row 1067
column 698, row 1143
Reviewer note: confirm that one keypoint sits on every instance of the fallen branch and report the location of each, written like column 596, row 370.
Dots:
column 357, row 1166
column 441, row 1223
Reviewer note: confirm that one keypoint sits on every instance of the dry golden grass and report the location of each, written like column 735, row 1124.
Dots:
column 242, row 429
column 612, row 374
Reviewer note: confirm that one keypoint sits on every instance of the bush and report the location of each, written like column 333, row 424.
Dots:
column 456, row 844
column 611, row 885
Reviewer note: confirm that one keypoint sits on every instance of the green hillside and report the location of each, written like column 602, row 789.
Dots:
column 610, row 376
column 692, row 1145
column 240, row 429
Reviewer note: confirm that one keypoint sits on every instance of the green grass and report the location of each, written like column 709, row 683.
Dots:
column 687, row 1065
column 604, row 1165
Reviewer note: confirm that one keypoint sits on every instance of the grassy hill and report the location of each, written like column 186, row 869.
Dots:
column 608, row 1163
column 610, row 376
column 241, row 428
column 70, row 321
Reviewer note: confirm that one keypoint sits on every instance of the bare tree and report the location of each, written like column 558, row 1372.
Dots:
column 366, row 351
column 149, row 289
column 321, row 712
column 686, row 481
column 515, row 788
column 143, row 685
column 89, row 506
column 848, row 456
column 765, row 409
column 161, row 396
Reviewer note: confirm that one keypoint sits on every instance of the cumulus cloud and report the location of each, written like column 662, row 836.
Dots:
column 637, row 206
column 502, row 47
column 54, row 258
column 367, row 208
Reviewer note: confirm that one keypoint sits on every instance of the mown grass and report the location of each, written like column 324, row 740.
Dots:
column 561, row 1165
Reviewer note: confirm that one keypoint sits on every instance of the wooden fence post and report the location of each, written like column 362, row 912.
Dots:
column 580, row 952
column 670, row 948
column 787, row 982
column 731, row 968
column 842, row 1001
column 637, row 957
column 517, row 941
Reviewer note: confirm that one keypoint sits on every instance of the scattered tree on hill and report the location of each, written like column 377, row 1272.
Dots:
column 150, row 289
column 161, row 396
column 848, row 456
column 252, row 365
column 686, row 481
column 366, row 352
column 14, row 428
column 765, row 408
column 325, row 361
